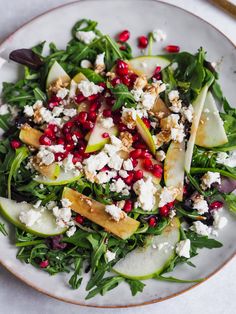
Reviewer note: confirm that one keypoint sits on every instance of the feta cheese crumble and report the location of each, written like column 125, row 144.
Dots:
column 107, row 123
column 146, row 193
column 29, row 111
column 200, row 204
column 168, row 195
column 183, row 248
column 4, row 109
column 110, row 256
column 188, row 113
column 116, row 213
column 85, row 37
column 158, row 35
column 209, row 178
column 128, row 165
column 88, row 88
column 219, row 221
column 86, row 64
column 201, row 228
column 227, row 159
column 29, row 217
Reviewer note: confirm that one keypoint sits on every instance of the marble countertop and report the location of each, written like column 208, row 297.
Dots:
column 212, row 297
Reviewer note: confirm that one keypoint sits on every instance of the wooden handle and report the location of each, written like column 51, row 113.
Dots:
column 227, row 6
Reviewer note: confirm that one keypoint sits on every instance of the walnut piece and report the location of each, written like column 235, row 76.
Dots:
column 126, row 139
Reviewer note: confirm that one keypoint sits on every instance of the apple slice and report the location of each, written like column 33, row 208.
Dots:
column 174, row 167
column 146, row 65
column 95, row 212
column 46, row 225
column 146, row 135
column 96, row 141
column 146, row 262
column 160, row 106
column 198, row 105
column 56, row 71
column 61, row 179
column 30, row 136
column 210, row 132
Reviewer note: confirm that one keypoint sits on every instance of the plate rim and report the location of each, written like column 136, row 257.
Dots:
column 156, row 300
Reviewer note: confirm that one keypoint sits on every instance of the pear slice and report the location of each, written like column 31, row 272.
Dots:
column 56, row 72
column 146, row 135
column 174, row 167
column 51, row 172
column 46, row 225
column 79, row 77
column 146, row 65
column 160, row 107
column 62, row 178
column 146, row 262
column 95, row 212
column 30, row 136
column 210, row 132
column 198, row 105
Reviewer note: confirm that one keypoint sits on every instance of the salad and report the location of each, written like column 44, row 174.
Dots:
column 114, row 165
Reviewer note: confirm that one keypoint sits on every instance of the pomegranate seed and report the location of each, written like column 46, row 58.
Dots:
column 126, row 80
column 86, row 155
column 53, row 102
column 67, row 127
column 77, row 158
column 139, row 145
column 44, row 264
column 152, row 221
column 124, row 36
column 147, row 164
column 79, row 219
column 122, row 47
column 102, row 84
column 105, row 135
column 94, row 106
column 216, row 205
column 142, row 42
column 105, row 168
column 15, row 144
column 146, row 122
column 92, row 116
column 68, row 137
column 122, row 68
column 172, row 48
column 115, row 81
column 88, row 125
column 157, row 171
column 45, row 140
column 79, row 98
column 157, row 70
column 81, row 149
column 146, row 154
column 122, row 127
column 185, row 189
column 69, row 146
column 134, row 162
column 136, row 153
column 106, row 113
column 128, row 206
column 171, row 204
column 78, row 134
column 129, row 179
column 135, row 137
column 59, row 156
column 61, row 141
column 164, row 210
column 110, row 101
column 133, row 78
column 93, row 97
column 53, row 127
column 82, row 117
column 138, row 175
column 157, row 76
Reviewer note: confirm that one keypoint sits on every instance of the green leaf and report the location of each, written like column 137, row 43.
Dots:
column 173, row 279
column 135, row 286
column 231, row 201
column 96, row 277
column 91, row 75
column 224, row 173
column 39, row 94
column 2, row 229
column 21, row 154
column 123, row 97
column 198, row 241
column 4, row 122
column 75, row 281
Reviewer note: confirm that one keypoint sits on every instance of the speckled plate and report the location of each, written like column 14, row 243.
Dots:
column 140, row 17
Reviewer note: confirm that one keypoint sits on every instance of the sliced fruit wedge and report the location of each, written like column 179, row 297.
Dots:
column 96, row 140
column 79, row 77
column 95, row 212
column 50, row 172
column 210, row 132
column 198, row 105
column 146, row 262
column 61, row 179
column 30, row 136
column 174, row 167
column 146, row 135
column 56, row 72
column 146, row 173
column 45, row 226
column 160, row 107
column 146, row 65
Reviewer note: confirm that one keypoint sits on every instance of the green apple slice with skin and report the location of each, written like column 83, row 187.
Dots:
column 210, row 132
column 56, row 72
column 145, row 134
column 146, row 262
column 45, row 226
column 198, row 105
column 62, row 179
column 146, row 65
column 174, row 167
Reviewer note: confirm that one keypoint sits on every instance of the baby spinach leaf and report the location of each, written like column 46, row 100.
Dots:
column 91, row 75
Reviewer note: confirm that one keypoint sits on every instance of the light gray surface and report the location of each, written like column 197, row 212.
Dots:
column 214, row 296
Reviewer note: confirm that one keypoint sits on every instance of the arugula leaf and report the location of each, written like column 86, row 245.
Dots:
column 224, row 173
column 123, row 97
column 218, row 94
column 74, row 281
column 21, row 154
column 135, row 286
column 231, row 201
column 2, row 229
column 173, row 279
column 198, row 241
column 4, row 122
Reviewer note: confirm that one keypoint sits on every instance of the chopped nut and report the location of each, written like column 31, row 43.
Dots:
column 128, row 119
column 99, row 68
column 56, row 85
column 127, row 139
column 140, row 82
column 163, row 137
column 111, row 75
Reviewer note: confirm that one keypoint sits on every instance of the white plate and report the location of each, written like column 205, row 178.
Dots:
column 182, row 28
